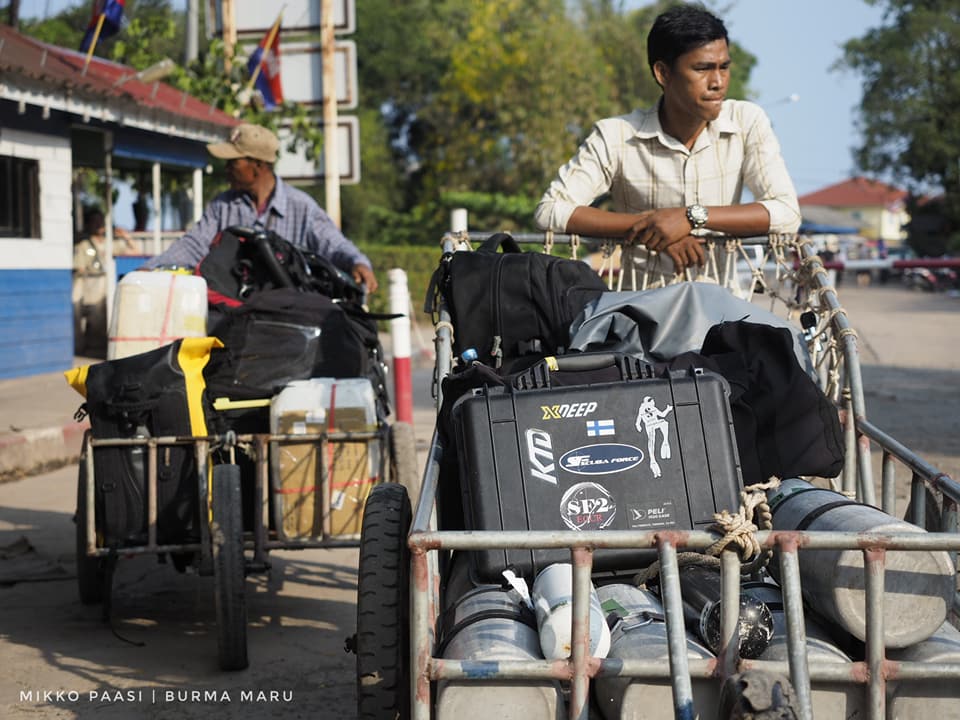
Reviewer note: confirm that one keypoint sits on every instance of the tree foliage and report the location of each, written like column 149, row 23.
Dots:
column 461, row 103
column 911, row 97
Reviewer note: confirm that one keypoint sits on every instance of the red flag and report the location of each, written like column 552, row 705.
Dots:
column 264, row 67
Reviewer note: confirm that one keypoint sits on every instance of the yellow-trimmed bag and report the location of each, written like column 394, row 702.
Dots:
column 153, row 394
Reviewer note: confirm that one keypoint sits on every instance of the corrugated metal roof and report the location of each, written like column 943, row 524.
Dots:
column 35, row 69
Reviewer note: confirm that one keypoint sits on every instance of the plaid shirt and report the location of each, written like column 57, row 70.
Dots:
column 291, row 213
column 642, row 168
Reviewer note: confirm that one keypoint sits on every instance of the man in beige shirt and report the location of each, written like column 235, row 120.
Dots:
column 679, row 168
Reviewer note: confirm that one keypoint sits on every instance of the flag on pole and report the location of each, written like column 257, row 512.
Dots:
column 112, row 13
column 264, row 68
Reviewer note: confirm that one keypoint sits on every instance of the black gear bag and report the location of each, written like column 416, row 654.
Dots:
column 159, row 393
column 512, row 307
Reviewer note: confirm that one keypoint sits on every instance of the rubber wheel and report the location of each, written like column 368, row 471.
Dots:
column 226, row 532
column 404, row 468
column 91, row 571
column 383, row 639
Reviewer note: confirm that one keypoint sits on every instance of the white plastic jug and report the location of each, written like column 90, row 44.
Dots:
column 553, row 603
column 154, row 308
column 314, row 406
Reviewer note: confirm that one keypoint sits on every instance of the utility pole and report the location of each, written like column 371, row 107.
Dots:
column 331, row 155
column 229, row 32
column 13, row 14
column 193, row 31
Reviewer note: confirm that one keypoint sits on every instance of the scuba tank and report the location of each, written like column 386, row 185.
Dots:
column 918, row 584
column 638, row 632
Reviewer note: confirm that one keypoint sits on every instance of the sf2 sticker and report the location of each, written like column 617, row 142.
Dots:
column 540, row 455
column 651, row 419
column 567, row 410
column 601, row 459
column 587, row 506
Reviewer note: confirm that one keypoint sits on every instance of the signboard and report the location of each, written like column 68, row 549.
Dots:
column 301, row 73
column 295, row 168
column 254, row 17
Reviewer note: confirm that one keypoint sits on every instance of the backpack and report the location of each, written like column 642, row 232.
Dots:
column 244, row 261
column 158, row 393
column 512, row 307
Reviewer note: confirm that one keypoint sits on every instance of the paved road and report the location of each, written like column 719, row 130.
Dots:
column 156, row 658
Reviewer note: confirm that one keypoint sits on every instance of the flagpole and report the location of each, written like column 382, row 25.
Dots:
column 93, row 44
column 263, row 56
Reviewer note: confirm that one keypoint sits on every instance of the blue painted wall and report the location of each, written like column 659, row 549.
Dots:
column 36, row 322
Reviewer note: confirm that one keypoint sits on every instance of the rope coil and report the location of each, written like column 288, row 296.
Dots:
column 739, row 529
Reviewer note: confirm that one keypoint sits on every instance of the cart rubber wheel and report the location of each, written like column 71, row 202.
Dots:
column 91, row 571
column 226, row 534
column 383, row 638
column 403, row 458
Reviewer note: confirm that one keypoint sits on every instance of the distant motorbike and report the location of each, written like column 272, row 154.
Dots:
column 921, row 279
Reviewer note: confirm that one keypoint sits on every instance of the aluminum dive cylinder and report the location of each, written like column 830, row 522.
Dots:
column 839, row 701
column 490, row 623
column 927, row 698
column 553, row 603
column 639, row 632
column 918, row 584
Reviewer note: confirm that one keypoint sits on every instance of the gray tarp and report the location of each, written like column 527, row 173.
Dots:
column 657, row 325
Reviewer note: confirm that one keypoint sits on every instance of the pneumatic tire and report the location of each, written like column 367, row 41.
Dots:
column 383, row 639
column 226, row 533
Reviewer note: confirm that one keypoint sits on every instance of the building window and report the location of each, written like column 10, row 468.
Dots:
column 19, row 197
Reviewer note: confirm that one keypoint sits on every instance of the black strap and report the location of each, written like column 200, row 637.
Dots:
column 818, row 511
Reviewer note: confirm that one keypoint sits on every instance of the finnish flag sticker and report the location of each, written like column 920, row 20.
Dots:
column 598, row 428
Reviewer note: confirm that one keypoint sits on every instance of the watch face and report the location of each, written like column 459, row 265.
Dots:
column 697, row 215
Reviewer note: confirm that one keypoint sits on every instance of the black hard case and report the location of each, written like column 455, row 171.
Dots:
column 527, row 462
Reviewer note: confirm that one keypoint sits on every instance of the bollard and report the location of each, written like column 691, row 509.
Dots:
column 400, row 339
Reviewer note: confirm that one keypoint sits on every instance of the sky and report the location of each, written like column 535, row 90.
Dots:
column 795, row 43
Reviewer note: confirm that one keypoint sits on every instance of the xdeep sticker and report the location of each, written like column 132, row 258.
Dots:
column 540, row 455
column 651, row 516
column 601, row 459
column 567, row 410
column 599, row 428
column 651, row 419
column 587, row 506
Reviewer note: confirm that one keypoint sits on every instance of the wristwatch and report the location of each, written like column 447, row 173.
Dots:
column 697, row 215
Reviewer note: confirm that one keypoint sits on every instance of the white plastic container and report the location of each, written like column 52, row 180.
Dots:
column 553, row 603
column 154, row 308
column 325, row 405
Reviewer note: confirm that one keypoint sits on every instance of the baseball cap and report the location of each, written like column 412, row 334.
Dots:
column 246, row 140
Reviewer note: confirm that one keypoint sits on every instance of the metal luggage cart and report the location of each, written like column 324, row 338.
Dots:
column 403, row 560
column 223, row 547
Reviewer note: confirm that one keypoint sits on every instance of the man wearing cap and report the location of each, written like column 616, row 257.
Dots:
column 258, row 198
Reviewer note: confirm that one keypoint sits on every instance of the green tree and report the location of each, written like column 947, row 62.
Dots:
column 519, row 90
column 911, row 97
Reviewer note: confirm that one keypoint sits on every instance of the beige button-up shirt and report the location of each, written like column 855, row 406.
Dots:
column 642, row 168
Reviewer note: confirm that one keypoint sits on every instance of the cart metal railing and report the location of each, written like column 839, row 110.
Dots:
column 267, row 533
column 785, row 271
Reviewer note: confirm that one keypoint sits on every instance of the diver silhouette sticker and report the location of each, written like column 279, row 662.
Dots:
column 651, row 419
